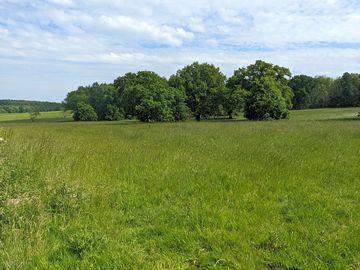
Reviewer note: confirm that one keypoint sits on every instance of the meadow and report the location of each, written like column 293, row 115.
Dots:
column 215, row 194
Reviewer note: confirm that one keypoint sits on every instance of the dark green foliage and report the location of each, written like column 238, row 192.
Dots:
column 204, row 86
column 310, row 92
column 319, row 97
column 178, row 102
column 265, row 101
column 268, row 95
column 345, row 91
column 149, row 98
column 302, row 86
column 234, row 97
column 112, row 113
column 23, row 106
column 322, row 91
column 261, row 91
column 84, row 112
column 101, row 97
column 75, row 97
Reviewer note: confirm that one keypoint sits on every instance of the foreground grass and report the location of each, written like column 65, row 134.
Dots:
column 209, row 195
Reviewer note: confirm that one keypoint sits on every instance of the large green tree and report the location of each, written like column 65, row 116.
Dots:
column 204, row 87
column 268, row 95
column 148, row 97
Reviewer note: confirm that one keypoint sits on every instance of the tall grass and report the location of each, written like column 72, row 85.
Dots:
column 209, row 195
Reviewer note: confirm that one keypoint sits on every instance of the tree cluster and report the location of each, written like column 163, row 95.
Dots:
column 321, row 91
column 201, row 91
column 260, row 91
column 23, row 106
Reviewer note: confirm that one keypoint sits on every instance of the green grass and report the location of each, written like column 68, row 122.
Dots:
column 208, row 195
column 326, row 114
column 58, row 116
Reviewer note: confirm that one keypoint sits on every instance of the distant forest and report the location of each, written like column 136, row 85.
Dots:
column 23, row 106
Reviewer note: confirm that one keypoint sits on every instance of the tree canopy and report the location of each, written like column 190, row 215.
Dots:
column 260, row 91
column 204, row 87
column 101, row 97
column 148, row 97
column 310, row 92
column 267, row 95
column 345, row 91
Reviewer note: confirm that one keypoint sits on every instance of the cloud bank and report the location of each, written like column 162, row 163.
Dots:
column 49, row 47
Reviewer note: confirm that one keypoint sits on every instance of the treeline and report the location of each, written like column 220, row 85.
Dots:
column 23, row 106
column 260, row 91
column 322, row 91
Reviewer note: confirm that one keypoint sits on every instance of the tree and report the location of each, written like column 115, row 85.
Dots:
column 310, row 92
column 73, row 98
column 345, row 91
column 234, row 97
column 302, row 86
column 204, row 87
column 112, row 113
column 268, row 95
column 102, row 97
column 34, row 114
column 265, row 101
column 25, row 106
column 84, row 112
column 148, row 97
column 319, row 96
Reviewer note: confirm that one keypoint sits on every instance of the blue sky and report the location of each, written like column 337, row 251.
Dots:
column 50, row 47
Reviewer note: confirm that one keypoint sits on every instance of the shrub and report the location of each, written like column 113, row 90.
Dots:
column 34, row 114
column 84, row 112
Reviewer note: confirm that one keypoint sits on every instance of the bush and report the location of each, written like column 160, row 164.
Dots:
column 84, row 112
column 34, row 114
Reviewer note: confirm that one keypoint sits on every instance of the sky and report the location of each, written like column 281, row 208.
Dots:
column 50, row 47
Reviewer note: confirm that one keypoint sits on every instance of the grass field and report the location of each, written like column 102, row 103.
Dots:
column 209, row 195
column 44, row 117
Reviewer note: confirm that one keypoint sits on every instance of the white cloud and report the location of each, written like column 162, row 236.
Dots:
column 174, row 36
column 100, row 39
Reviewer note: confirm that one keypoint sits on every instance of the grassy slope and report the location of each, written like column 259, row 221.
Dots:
column 44, row 117
column 209, row 195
